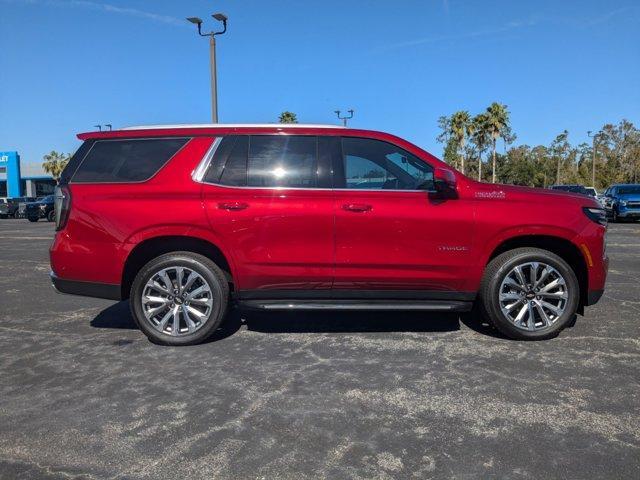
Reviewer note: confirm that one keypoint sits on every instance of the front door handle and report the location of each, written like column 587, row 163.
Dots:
column 357, row 207
column 233, row 206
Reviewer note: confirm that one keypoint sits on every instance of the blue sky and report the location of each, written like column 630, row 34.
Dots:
column 68, row 65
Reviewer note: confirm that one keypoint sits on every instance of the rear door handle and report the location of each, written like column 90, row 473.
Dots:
column 233, row 206
column 357, row 207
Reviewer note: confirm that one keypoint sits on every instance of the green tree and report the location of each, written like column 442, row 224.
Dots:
column 461, row 128
column 54, row 163
column 288, row 117
column 498, row 124
column 480, row 138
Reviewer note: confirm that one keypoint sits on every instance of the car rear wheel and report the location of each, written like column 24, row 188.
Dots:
column 179, row 298
column 51, row 216
column 529, row 294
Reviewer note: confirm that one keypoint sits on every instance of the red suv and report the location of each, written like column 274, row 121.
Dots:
column 184, row 220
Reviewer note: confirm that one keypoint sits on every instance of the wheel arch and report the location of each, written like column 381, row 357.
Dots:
column 564, row 248
column 152, row 247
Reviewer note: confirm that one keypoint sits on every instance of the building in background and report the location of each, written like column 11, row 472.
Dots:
column 23, row 179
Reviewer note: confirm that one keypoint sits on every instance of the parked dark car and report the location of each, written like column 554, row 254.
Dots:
column 575, row 189
column 42, row 208
column 9, row 207
column 622, row 202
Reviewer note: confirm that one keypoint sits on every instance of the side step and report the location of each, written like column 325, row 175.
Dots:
column 381, row 305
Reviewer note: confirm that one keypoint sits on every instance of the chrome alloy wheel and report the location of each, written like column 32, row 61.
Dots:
column 533, row 296
column 177, row 301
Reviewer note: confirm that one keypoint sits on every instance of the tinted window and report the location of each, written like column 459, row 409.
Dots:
column 126, row 160
column 377, row 165
column 283, row 161
column 74, row 161
column 629, row 189
column 234, row 171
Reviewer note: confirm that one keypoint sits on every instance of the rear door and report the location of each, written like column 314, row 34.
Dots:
column 391, row 234
column 268, row 198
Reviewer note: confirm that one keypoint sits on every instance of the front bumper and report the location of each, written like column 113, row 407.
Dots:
column 629, row 213
column 86, row 289
column 594, row 296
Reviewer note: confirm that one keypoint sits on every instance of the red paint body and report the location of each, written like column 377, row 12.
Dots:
column 316, row 238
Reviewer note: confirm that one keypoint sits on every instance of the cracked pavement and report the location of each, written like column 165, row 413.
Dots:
column 83, row 394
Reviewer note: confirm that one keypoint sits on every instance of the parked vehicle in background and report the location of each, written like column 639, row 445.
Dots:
column 622, row 202
column 9, row 208
column 581, row 189
column 184, row 220
column 42, row 208
column 591, row 191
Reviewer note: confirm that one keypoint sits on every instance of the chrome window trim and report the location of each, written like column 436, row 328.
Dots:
column 198, row 174
column 200, row 171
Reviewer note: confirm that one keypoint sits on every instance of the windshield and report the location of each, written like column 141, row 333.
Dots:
column 629, row 189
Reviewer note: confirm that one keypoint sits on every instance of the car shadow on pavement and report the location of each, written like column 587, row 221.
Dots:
column 349, row 321
column 118, row 316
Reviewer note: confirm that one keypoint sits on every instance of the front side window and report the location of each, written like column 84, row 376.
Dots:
column 126, row 160
column 376, row 165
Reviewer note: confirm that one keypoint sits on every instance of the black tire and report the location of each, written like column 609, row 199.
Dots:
column 51, row 216
column 495, row 273
column 33, row 219
column 200, row 264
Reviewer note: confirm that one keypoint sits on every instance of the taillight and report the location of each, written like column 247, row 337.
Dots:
column 62, row 206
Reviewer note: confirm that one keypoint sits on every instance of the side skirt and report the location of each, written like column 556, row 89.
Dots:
column 379, row 305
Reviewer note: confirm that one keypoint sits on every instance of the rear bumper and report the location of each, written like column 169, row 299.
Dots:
column 86, row 289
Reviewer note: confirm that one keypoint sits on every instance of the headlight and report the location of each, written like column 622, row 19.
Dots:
column 596, row 215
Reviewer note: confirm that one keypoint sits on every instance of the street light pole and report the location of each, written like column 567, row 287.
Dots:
column 593, row 158
column 212, row 58
column 214, row 79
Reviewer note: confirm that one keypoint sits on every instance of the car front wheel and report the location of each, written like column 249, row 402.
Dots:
column 179, row 298
column 529, row 294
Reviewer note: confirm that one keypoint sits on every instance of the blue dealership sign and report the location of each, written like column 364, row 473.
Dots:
column 10, row 164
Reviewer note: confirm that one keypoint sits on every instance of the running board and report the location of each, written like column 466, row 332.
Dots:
column 381, row 305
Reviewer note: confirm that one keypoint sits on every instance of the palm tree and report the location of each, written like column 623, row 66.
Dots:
column 497, row 126
column 288, row 117
column 460, row 126
column 480, row 137
column 54, row 163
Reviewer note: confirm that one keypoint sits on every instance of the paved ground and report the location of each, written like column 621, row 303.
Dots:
column 84, row 394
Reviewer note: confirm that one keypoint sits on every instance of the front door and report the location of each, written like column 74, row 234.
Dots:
column 391, row 234
column 262, row 196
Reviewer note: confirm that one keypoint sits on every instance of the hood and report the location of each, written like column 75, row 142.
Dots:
column 482, row 190
column 633, row 197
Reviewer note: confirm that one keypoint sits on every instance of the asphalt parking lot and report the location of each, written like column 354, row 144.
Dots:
column 83, row 394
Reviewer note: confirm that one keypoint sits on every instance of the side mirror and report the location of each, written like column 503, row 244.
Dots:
column 444, row 181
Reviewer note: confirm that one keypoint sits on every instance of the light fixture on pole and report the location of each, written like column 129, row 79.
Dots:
column 345, row 118
column 212, row 58
column 99, row 127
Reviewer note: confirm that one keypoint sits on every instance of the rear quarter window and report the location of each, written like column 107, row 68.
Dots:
column 120, row 161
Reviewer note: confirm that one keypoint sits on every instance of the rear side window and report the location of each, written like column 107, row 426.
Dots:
column 283, row 161
column 266, row 161
column 130, row 160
